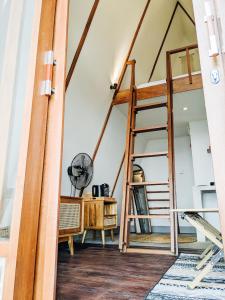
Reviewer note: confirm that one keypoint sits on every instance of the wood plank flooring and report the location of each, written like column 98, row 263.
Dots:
column 100, row 274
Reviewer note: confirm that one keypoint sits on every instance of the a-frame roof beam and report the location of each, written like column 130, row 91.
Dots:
column 186, row 13
column 81, row 43
column 131, row 47
column 166, row 33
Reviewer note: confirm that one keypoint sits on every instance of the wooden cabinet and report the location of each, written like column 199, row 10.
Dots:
column 71, row 219
column 100, row 214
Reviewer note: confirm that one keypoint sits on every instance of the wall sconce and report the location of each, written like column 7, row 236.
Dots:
column 209, row 149
column 113, row 86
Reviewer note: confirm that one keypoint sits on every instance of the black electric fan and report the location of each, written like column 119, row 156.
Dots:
column 80, row 172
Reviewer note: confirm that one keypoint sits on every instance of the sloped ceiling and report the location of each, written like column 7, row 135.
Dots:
column 182, row 33
column 88, row 96
column 113, row 28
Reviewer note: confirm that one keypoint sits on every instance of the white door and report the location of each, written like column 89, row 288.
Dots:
column 210, row 26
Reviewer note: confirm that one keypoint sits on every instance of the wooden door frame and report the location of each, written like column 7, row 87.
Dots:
column 36, row 187
column 215, row 106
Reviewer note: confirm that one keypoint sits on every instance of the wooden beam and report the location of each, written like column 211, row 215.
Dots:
column 163, row 41
column 186, row 13
column 102, row 131
column 47, row 247
column 126, row 63
column 182, row 49
column 189, row 65
column 179, row 85
column 183, row 85
column 118, row 175
column 166, row 33
column 131, row 63
column 131, row 47
column 81, row 43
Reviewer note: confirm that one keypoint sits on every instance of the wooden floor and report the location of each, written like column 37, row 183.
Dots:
column 97, row 273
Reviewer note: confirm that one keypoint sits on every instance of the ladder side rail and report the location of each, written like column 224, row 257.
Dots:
column 129, row 193
column 130, row 174
column 126, row 167
column 171, row 162
column 126, row 161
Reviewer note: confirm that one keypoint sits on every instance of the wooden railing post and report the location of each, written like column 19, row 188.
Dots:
column 189, row 65
column 166, row 33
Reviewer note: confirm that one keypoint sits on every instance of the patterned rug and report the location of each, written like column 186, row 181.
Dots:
column 173, row 285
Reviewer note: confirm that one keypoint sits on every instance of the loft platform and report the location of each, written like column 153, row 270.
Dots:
column 159, row 88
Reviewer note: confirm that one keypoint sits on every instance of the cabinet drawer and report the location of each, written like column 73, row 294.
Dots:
column 110, row 221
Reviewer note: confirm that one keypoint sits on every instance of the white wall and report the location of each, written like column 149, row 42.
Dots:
column 156, row 169
column 203, row 166
column 202, row 161
column 88, row 96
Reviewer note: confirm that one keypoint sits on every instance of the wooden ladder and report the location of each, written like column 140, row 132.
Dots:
column 130, row 157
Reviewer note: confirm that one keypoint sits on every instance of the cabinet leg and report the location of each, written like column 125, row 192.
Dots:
column 112, row 235
column 71, row 246
column 84, row 235
column 103, row 238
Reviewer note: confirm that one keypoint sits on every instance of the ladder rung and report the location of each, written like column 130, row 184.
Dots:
column 158, row 208
column 155, row 216
column 148, row 183
column 153, row 154
column 157, row 192
column 158, row 200
column 150, row 129
column 149, row 251
column 150, row 106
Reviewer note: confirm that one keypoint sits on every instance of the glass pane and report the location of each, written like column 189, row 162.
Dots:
column 2, row 271
column 15, row 37
column 4, row 18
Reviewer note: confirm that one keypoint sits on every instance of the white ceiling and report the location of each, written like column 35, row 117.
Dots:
column 193, row 101
column 112, row 31
column 107, row 45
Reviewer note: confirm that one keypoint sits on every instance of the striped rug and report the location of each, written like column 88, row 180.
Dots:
column 173, row 285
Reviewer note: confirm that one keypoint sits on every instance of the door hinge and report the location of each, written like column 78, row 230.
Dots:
column 211, row 21
column 46, row 85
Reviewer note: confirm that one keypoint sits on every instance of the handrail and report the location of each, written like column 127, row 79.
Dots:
column 187, row 50
column 183, row 49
